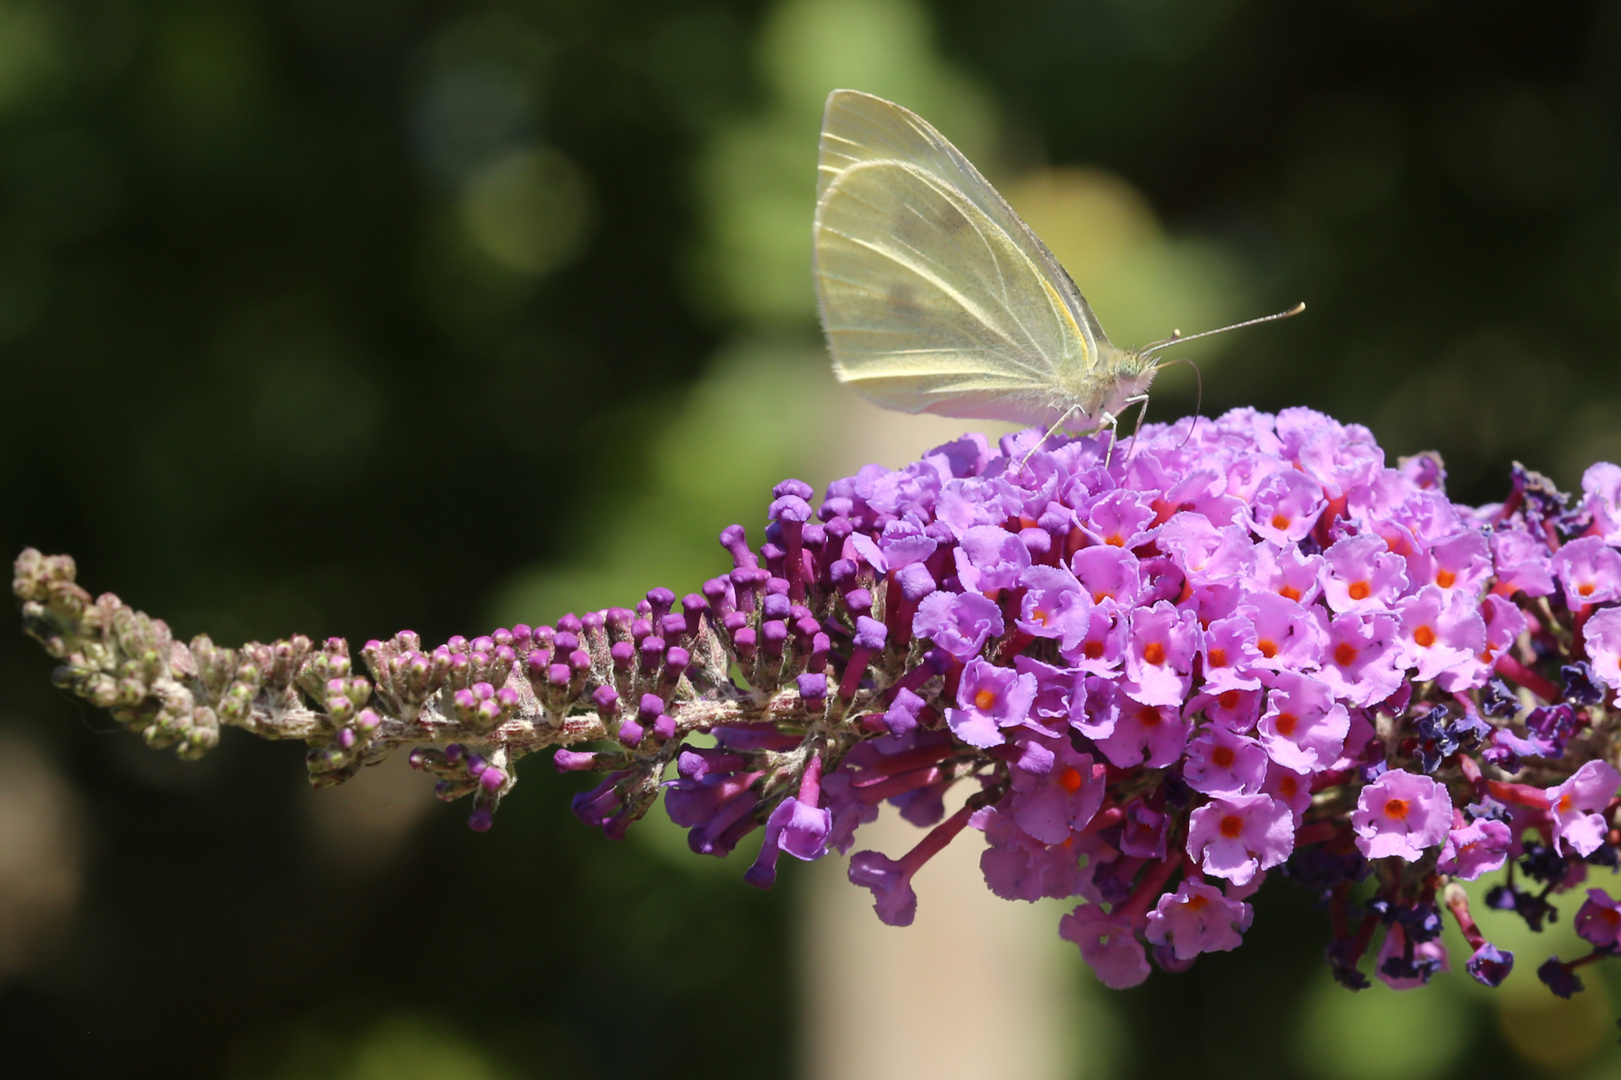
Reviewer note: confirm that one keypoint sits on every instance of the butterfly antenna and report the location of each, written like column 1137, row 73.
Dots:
column 1177, row 337
column 1198, row 401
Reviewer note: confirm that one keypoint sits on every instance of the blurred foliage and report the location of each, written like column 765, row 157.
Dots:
column 340, row 316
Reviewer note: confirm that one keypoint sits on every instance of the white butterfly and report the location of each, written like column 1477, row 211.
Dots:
column 937, row 298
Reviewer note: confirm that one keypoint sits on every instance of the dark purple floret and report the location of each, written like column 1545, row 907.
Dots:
column 1490, row 965
column 1343, row 955
column 1542, row 863
column 1550, row 727
column 1581, row 688
column 1559, row 977
column 1499, row 699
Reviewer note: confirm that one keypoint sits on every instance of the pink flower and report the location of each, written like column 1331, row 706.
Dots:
column 1522, row 561
column 1401, row 814
column 1363, row 576
column 1230, row 655
column 1159, row 654
column 1221, row 763
column 1290, row 637
column 1286, row 507
column 960, row 623
column 1150, row 735
column 1303, row 727
column 990, row 698
column 1601, row 486
column 1361, row 658
column 1054, row 805
column 1108, row 573
column 1599, row 920
column 989, row 558
column 1577, row 807
column 1602, row 636
column 1438, row 632
column 1481, row 847
column 1054, row 605
column 1590, row 572
column 1289, row 573
column 1107, row 944
column 1460, row 564
column 1196, row 919
column 1236, row 836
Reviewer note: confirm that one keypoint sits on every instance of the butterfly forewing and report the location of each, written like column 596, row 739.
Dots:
column 935, row 296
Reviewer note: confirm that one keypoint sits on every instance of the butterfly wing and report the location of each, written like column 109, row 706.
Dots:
column 934, row 295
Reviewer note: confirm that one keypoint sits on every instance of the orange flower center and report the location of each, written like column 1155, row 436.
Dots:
column 1070, row 779
column 1148, row 716
column 1345, row 654
column 1445, row 578
column 1222, row 757
column 1585, row 589
column 1115, row 540
column 1231, row 826
column 1279, row 521
column 1228, row 700
column 1424, row 637
column 1039, row 616
column 1289, row 592
column 1359, row 590
column 1154, row 653
column 1268, row 647
column 1092, row 650
column 1396, row 808
column 984, row 700
column 1218, row 658
column 1286, row 723
column 1196, row 903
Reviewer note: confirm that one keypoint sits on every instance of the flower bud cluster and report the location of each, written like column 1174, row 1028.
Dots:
column 1160, row 671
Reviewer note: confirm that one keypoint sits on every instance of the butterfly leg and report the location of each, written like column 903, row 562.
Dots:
column 1050, row 433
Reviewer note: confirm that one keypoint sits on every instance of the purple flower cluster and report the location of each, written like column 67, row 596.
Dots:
column 1235, row 646
column 1149, row 674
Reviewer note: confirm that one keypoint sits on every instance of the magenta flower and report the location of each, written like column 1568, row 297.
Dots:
column 1053, row 805
column 990, row 698
column 1361, row 659
column 959, row 623
column 1289, row 572
column 1303, row 727
column 1589, row 571
column 1601, row 490
column 1522, row 562
column 1599, row 919
column 1107, row 944
column 1054, row 605
column 1196, row 919
column 1230, row 654
column 1577, row 807
column 1480, row 847
column 1401, row 814
column 1159, row 655
column 1441, row 633
column 1459, row 565
column 1363, row 576
column 1286, row 506
column 1120, row 519
column 1289, row 636
column 1108, row 573
column 989, row 559
column 1237, row 836
column 1220, row 762
column 1017, row 866
column 1153, row 736
column 1602, row 638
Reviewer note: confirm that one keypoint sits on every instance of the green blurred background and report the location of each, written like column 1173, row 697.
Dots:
column 343, row 316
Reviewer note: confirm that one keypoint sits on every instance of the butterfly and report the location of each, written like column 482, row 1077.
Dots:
column 936, row 297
